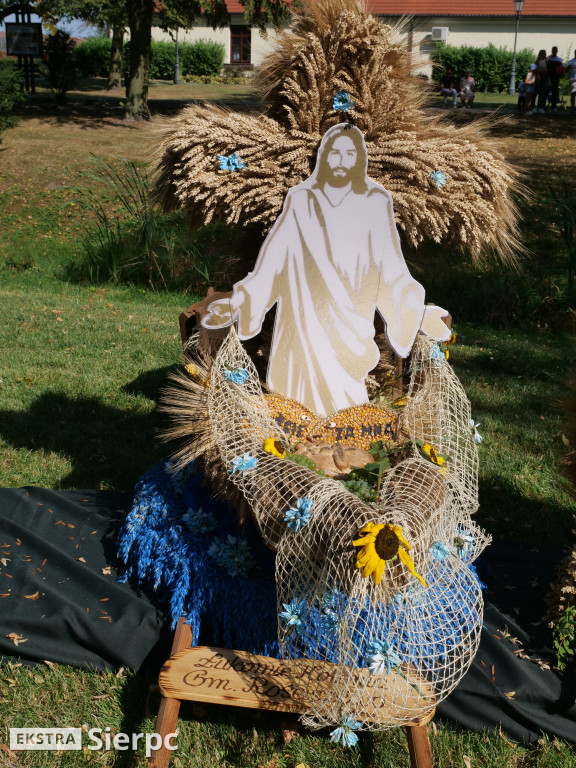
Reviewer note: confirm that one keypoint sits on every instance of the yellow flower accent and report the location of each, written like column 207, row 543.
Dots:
column 380, row 543
column 275, row 447
column 434, row 457
column 446, row 353
column 195, row 373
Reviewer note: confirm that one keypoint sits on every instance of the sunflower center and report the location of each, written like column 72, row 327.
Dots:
column 278, row 446
column 386, row 544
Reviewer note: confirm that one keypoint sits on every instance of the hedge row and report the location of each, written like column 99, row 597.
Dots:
column 491, row 67
column 200, row 58
column 10, row 94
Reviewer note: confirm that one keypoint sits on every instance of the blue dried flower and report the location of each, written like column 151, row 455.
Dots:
column 233, row 556
column 438, row 178
column 330, row 623
column 342, row 102
column 345, row 732
column 230, row 163
column 437, row 355
column 477, row 436
column 295, row 614
column 380, row 656
column 463, row 541
column 298, row 516
column 243, row 463
column 439, row 551
column 237, row 375
column 199, row 521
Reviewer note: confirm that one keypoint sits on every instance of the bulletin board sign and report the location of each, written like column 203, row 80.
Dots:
column 23, row 39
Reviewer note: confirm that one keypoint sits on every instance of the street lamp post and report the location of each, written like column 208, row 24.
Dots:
column 518, row 5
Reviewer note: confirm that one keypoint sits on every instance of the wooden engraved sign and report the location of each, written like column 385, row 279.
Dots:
column 238, row 678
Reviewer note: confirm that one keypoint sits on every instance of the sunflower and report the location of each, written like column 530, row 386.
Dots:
column 275, row 447
column 429, row 452
column 382, row 542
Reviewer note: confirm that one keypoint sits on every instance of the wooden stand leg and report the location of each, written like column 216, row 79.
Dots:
column 169, row 708
column 419, row 746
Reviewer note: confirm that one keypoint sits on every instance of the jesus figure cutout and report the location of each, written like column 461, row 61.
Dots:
column 332, row 259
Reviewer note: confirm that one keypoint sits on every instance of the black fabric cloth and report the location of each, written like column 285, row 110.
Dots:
column 507, row 686
column 59, row 593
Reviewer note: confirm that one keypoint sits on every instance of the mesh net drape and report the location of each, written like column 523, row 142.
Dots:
column 428, row 635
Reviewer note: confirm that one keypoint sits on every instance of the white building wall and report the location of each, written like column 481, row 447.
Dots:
column 261, row 44
column 532, row 33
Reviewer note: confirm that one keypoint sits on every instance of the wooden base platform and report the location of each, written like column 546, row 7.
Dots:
column 240, row 679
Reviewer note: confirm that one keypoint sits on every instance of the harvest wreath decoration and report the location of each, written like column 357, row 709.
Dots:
column 347, row 535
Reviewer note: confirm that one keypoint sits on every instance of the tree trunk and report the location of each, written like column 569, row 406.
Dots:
column 115, row 73
column 140, row 14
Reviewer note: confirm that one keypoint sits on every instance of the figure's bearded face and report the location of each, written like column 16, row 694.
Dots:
column 341, row 160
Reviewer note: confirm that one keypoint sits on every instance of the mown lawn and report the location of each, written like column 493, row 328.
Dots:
column 82, row 367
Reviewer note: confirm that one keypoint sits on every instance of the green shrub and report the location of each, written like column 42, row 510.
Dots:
column 139, row 245
column 163, row 58
column 10, row 93
column 215, row 79
column 202, row 58
column 92, row 57
column 58, row 65
column 491, row 67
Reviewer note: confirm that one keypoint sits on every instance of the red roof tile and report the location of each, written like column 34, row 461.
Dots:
column 482, row 8
column 440, row 8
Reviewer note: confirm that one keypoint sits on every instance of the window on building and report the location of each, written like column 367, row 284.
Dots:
column 240, row 37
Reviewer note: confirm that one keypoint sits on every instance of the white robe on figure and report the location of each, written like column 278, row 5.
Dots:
column 329, row 269
column 329, row 264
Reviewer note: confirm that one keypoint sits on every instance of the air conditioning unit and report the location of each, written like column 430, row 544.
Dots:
column 440, row 34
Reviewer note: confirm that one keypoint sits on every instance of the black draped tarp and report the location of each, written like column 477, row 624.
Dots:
column 59, row 595
column 60, row 601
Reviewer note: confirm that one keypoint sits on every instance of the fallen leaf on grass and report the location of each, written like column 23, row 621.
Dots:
column 289, row 731
column 35, row 596
column 4, row 560
column 16, row 639
column 467, row 761
column 505, row 740
column 13, row 757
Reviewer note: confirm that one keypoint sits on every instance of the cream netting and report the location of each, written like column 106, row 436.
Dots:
column 428, row 634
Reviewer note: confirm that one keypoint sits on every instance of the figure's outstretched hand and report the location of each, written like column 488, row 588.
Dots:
column 433, row 325
column 219, row 315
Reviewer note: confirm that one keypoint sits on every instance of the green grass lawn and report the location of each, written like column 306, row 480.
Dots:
column 82, row 368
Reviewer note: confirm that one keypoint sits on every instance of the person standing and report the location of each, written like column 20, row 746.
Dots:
column 541, row 82
column 530, row 81
column 467, row 88
column 571, row 67
column 448, row 89
column 555, row 71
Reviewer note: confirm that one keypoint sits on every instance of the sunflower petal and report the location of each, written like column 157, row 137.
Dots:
column 398, row 532
column 407, row 560
column 379, row 572
column 369, row 539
